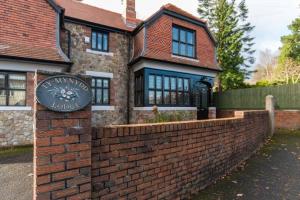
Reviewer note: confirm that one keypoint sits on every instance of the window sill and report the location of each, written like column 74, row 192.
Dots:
column 166, row 108
column 15, row 108
column 185, row 58
column 99, row 52
column 103, row 108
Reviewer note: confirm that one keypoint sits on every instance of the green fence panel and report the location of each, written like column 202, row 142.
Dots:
column 286, row 97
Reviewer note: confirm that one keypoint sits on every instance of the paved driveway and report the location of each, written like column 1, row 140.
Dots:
column 16, row 177
column 272, row 174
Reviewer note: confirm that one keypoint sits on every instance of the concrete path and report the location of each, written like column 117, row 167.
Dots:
column 16, row 177
column 272, row 174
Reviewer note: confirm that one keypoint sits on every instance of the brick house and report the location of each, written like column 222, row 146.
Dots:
column 167, row 60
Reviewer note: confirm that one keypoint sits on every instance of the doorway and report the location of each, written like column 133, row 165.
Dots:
column 202, row 98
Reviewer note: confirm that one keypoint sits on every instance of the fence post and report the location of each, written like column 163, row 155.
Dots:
column 62, row 152
column 212, row 112
column 270, row 106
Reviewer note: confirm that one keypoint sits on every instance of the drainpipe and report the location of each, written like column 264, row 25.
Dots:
column 129, row 79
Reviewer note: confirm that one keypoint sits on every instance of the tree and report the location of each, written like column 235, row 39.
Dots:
column 291, row 44
column 288, row 72
column 228, row 21
column 265, row 69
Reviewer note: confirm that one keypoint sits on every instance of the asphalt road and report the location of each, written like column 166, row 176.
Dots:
column 16, row 177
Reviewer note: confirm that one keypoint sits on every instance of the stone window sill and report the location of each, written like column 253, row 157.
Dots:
column 166, row 108
column 185, row 58
column 101, row 108
column 15, row 108
column 99, row 52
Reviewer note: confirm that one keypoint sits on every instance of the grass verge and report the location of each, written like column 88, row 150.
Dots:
column 14, row 151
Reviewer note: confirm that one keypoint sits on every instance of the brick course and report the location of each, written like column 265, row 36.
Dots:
column 173, row 160
column 62, row 153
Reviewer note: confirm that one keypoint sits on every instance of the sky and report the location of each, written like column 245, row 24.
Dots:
column 270, row 17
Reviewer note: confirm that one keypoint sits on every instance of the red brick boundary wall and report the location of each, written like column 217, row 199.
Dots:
column 62, row 153
column 171, row 160
column 287, row 119
column 284, row 119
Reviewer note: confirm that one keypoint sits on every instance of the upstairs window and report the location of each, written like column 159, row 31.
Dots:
column 100, row 90
column 184, row 41
column 12, row 89
column 100, row 41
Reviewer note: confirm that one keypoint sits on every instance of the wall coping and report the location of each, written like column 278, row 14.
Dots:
column 238, row 116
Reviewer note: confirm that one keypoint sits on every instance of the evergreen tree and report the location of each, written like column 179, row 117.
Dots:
column 227, row 19
column 291, row 44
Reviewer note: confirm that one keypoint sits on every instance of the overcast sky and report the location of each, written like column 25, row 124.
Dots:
column 271, row 17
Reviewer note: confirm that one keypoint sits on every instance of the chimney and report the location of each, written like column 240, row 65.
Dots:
column 130, row 13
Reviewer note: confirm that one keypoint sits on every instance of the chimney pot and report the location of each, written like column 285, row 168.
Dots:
column 130, row 12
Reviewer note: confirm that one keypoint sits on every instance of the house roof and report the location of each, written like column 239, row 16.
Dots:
column 30, row 52
column 77, row 10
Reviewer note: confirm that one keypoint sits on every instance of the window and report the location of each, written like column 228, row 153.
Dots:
column 139, row 90
column 12, row 89
column 167, row 90
column 183, row 42
column 100, row 41
column 101, row 91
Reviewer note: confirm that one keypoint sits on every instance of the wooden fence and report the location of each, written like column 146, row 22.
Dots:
column 286, row 97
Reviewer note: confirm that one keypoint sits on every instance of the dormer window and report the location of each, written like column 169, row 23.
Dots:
column 99, row 41
column 183, row 42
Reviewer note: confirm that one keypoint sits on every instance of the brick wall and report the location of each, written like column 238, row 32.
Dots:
column 171, row 160
column 62, row 153
column 159, row 42
column 287, row 119
column 284, row 119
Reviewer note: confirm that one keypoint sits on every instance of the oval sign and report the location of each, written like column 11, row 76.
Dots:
column 64, row 93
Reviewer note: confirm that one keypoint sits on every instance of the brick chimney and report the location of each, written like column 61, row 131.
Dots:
column 130, row 13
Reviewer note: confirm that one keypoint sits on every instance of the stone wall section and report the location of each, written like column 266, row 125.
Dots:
column 171, row 160
column 114, row 62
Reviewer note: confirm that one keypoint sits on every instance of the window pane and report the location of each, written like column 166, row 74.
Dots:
column 190, row 51
column 167, row 98
column 93, row 93
column 190, row 37
column 105, row 96
column 93, row 82
column 99, row 82
column 105, row 42
column 183, row 49
column 98, row 96
column 151, row 81
column 17, row 81
column 173, row 83
column 17, row 98
column 151, row 97
column 180, row 84
column 186, row 85
column 180, row 98
column 105, row 83
column 166, row 83
column 94, row 40
column 158, row 97
column 99, row 45
column 158, row 82
column 2, row 81
column 175, row 34
column 182, row 36
column 2, row 98
column 173, row 98
column 175, row 48
column 186, row 99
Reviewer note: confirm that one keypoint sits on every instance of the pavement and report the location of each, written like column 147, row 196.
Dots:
column 271, row 174
column 16, row 177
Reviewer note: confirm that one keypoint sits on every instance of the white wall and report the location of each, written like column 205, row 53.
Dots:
column 173, row 67
column 30, row 66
